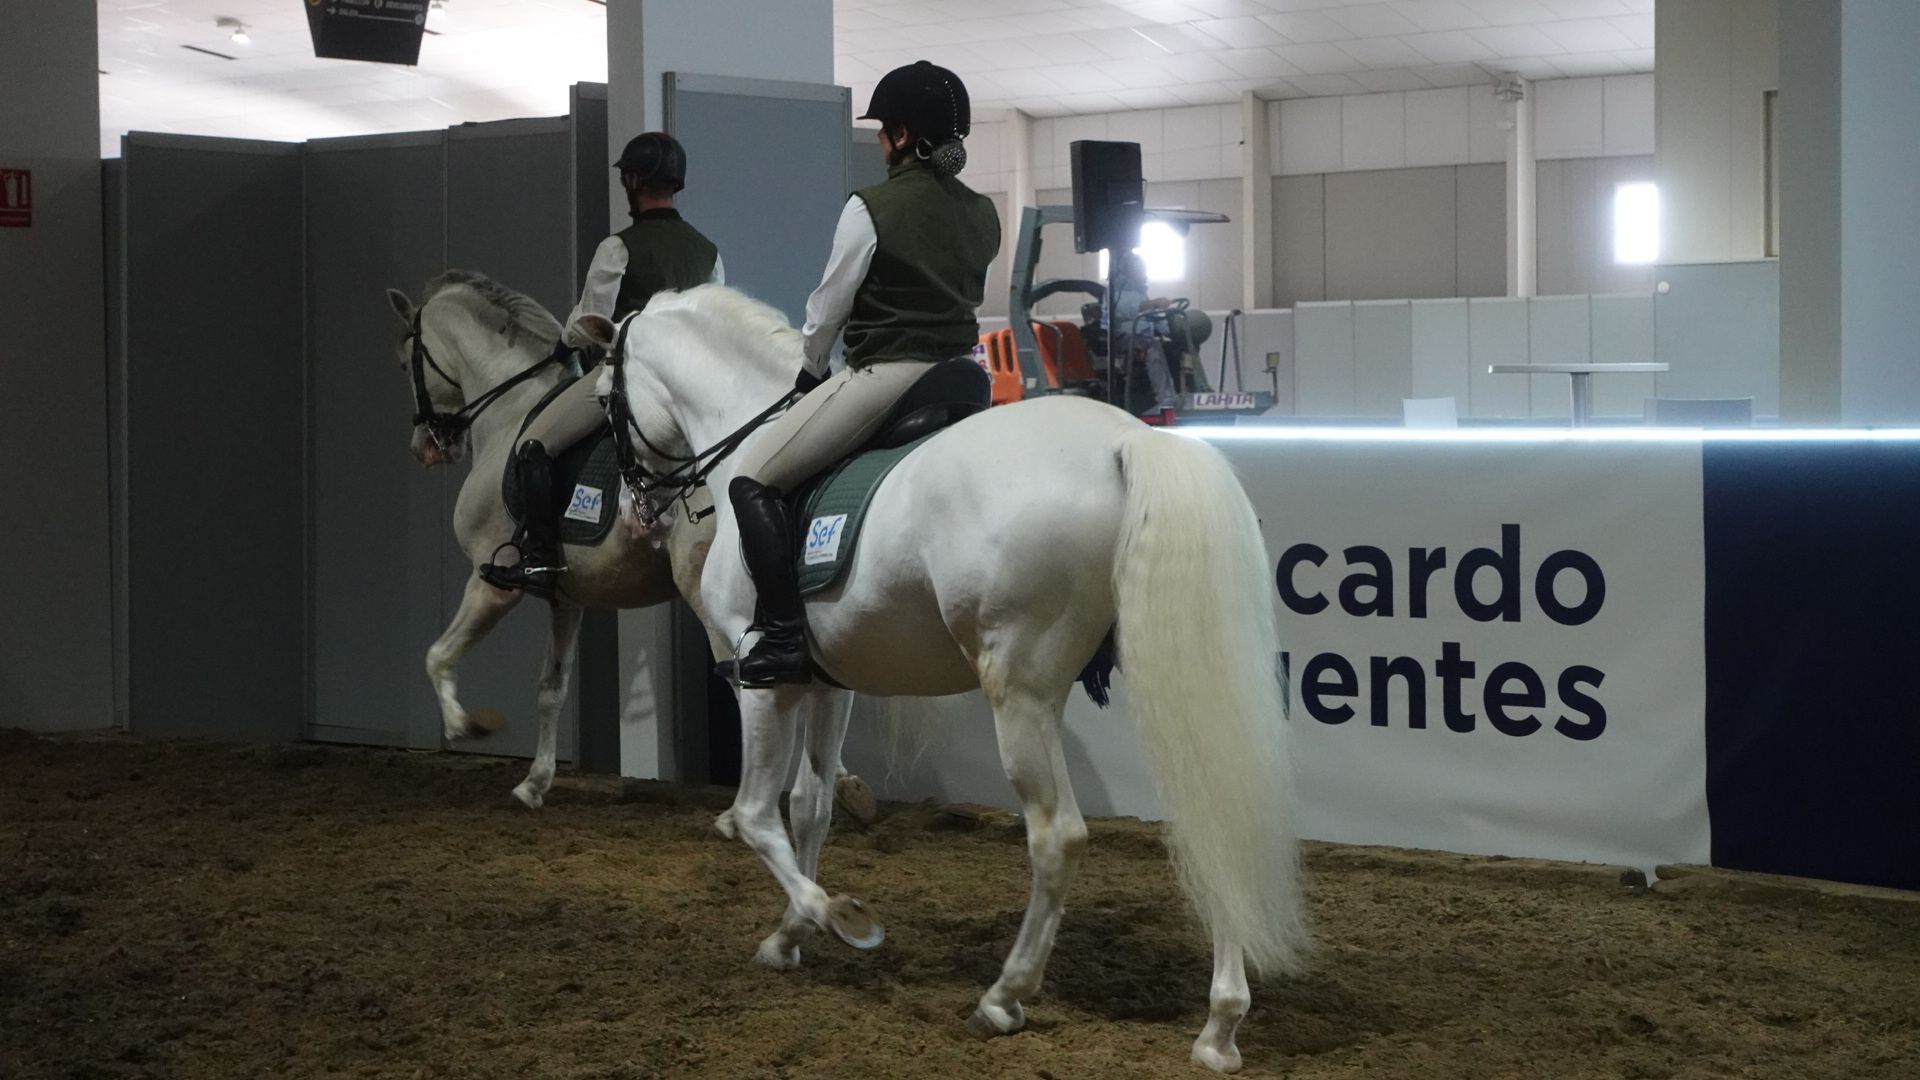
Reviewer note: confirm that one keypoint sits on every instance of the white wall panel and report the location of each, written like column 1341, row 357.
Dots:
column 1436, row 127
column 1568, row 119
column 1310, row 134
column 1628, row 105
column 1373, row 131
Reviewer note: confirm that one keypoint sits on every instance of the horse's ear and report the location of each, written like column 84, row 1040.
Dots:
column 597, row 329
column 402, row 306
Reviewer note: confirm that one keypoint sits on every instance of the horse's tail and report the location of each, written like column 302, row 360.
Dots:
column 1199, row 652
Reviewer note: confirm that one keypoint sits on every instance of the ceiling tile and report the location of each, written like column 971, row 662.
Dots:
column 1517, row 41
column 1307, row 27
column 1317, row 59
column 1588, row 35
column 1327, row 85
column 1637, row 28
column 1440, row 14
column 1373, row 20
column 1383, row 52
column 1454, row 75
column 1243, row 33
column 1450, row 47
column 1389, row 80
column 1509, row 12
column 1257, row 63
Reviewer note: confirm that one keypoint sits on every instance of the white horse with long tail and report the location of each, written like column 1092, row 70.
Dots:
column 999, row 555
column 480, row 356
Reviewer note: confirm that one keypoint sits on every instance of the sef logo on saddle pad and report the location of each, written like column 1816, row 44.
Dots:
column 586, row 504
column 823, row 539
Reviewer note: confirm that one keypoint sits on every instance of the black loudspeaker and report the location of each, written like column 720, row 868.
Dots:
column 1109, row 195
column 383, row 31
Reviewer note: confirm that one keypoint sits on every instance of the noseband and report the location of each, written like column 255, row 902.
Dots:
column 445, row 428
column 655, row 493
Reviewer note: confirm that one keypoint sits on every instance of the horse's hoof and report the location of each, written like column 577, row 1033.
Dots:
column 855, row 925
column 484, row 722
column 724, row 824
column 1221, row 1061
column 529, row 797
column 772, row 954
column 991, row 1021
column 852, row 795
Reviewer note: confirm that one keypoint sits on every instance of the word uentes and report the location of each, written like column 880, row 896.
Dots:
column 1510, row 697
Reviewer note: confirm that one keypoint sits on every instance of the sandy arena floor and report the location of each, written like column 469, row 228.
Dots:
column 182, row 910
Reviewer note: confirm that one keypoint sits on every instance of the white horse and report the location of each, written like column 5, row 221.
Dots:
column 999, row 555
column 474, row 336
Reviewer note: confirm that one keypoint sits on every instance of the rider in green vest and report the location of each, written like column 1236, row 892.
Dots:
column 904, row 281
column 656, row 253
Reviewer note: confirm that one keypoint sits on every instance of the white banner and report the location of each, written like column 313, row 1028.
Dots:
column 1495, row 648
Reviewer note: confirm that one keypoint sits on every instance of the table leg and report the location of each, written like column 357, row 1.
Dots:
column 1581, row 383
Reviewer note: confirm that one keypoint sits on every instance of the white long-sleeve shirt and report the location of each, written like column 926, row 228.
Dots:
column 854, row 242
column 602, row 288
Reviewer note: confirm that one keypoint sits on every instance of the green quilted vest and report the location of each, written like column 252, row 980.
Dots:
column 663, row 252
column 921, row 296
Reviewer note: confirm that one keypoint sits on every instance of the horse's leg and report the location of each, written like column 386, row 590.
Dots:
column 564, row 627
column 481, row 609
column 811, row 811
column 768, row 719
column 1227, row 1004
column 1028, row 726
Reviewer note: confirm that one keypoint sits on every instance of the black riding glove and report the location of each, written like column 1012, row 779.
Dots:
column 807, row 380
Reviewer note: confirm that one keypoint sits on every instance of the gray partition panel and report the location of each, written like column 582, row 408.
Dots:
column 1440, row 353
column 510, row 216
column 1480, row 230
column 1622, row 334
column 1719, row 326
column 1299, row 239
column 1390, row 235
column 766, row 177
column 1497, row 334
column 1323, row 359
column 375, row 213
column 1382, row 356
column 1559, row 331
column 216, row 589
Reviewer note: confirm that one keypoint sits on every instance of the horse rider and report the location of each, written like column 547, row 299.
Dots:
column 658, row 252
column 904, row 280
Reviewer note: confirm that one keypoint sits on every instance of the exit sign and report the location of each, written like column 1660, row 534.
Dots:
column 16, row 198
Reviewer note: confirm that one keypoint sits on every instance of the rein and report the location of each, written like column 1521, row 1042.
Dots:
column 446, row 428
column 656, row 492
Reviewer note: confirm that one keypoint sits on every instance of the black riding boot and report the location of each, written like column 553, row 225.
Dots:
column 766, row 542
column 538, row 538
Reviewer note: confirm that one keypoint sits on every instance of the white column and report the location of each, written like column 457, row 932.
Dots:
column 1256, row 205
column 1016, row 151
column 785, row 40
column 1522, row 207
column 56, row 622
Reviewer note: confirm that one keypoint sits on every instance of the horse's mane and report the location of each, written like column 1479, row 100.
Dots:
column 523, row 312
column 735, row 324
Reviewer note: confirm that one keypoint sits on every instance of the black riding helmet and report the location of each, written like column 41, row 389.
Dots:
column 932, row 104
column 655, row 158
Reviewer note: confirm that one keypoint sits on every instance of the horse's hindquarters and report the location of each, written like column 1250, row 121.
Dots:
column 988, row 553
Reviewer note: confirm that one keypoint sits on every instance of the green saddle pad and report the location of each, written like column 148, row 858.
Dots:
column 587, row 476
column 833, row 512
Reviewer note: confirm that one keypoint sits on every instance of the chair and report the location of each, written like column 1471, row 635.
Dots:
column 1436, row 412
column 1699, row 412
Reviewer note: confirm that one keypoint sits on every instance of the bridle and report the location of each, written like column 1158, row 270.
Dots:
column 655, row 493
column 445, row 428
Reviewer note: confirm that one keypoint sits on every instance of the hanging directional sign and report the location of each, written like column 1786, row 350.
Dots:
column 383, row 31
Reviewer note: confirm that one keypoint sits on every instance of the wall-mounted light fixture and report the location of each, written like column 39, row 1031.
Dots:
column 239, row 35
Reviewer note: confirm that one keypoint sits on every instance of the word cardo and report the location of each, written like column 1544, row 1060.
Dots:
column 1513, row 695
